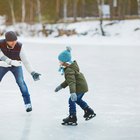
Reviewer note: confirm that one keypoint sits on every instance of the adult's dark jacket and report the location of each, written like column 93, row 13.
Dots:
column 14, row 53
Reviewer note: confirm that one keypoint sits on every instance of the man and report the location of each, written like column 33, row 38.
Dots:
column 11, row 57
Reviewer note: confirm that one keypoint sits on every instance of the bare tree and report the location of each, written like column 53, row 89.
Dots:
column 11, row 4
column 83, row 8
column 121, row 9
column 75, row 10
column 23, row 11
column 57, row 9
column 111, row 9
column 65, row 10
column 138, row 7
column 128, row 7
column 100, row 6
column 39, row 11
column 31, row 11
column 115, row 3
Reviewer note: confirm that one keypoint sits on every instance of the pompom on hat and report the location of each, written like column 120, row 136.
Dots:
column 65, row 56
column 10, row 36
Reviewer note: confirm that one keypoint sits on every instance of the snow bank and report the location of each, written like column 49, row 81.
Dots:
column 117, row 32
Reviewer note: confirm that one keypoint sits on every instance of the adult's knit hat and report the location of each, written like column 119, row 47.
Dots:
column 10, row 36
column 65, row 56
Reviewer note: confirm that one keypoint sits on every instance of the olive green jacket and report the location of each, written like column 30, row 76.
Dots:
column 74, row 79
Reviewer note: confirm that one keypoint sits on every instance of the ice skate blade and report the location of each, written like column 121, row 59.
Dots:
column 90, row 117
column 29, row 110
column 69, row 124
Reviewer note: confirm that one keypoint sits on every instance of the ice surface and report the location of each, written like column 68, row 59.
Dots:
column 113, row 75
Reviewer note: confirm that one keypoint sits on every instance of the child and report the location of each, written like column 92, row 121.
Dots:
column 77, row 86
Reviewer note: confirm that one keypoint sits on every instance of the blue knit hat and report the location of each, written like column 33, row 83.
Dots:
column 65, row 56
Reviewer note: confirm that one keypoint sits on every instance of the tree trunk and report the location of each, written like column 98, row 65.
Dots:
column 111, row 9
column 121, row 9
column 75, row 10
column 31, row 11
column 57, row 9
column 23, row 11
column 138, row 7
column 39, row 11
column 100, row 5
column 65, row 10
column 12, row 11
column 83, row 8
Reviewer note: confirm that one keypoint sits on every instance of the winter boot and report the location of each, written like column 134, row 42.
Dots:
column 89, row 113
column 28, row 107
column 70, row 120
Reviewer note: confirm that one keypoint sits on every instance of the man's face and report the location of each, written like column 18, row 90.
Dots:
column 11, row 44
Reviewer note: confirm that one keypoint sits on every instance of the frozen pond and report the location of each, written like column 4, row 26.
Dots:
column 113, row 75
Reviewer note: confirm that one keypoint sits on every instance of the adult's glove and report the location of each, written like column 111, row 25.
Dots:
column 15, row 63
column 58, row 88
column 73, row 97
column 35, row 76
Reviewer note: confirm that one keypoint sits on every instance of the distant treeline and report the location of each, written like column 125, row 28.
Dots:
column 48, row 11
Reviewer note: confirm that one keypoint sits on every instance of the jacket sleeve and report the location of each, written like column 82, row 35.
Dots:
column 71, row 80
column 25, row 61
column 4, row 58
column 64, row 84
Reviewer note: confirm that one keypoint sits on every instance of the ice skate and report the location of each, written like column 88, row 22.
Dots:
column 28, row 107
column 70, row 120
column 89, row 113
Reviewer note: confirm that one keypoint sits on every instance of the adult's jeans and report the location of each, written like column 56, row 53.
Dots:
column 80, row 102
column 18, row 74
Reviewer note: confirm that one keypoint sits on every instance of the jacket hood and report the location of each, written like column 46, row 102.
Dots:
column 74, row 66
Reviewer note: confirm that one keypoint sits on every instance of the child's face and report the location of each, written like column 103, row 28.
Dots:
column 61, row 63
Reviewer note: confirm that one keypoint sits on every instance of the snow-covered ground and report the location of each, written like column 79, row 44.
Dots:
column 117, row 29
column 126, row 32
column 113, row 75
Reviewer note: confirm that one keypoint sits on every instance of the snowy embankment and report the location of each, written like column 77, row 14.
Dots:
column 125, row 32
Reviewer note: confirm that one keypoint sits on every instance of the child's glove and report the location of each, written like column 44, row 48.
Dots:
column 35, row 76
column 73, row 97
column 58, row 88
